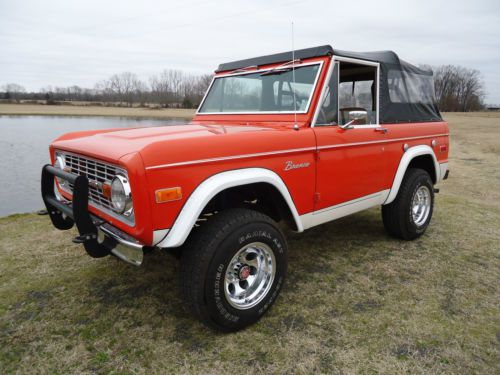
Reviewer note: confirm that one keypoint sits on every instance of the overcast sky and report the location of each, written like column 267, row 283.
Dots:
column 65, row 42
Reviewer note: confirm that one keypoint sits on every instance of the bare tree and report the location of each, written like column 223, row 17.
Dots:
column 123, row 86
column 13, row 90
column 458, row 88
column 175, row 88
column 203, row 83
column 176, row 79
column 194, row 88
column 141, row 92
column 160, row 88
column 470, row 89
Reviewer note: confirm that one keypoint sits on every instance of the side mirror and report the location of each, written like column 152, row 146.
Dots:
column 359, row 117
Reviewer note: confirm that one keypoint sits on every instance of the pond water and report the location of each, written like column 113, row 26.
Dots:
column 24, row 142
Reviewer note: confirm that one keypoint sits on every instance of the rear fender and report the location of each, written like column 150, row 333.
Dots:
column 408, row 156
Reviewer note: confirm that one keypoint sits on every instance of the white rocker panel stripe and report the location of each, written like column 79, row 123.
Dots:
column 211, row 187
column 343, row 209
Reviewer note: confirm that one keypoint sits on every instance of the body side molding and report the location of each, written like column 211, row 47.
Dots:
column 214, row 185
column 408, row 156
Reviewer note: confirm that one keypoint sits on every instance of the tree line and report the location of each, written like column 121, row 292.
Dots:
column 170, row 88
column 457, row 89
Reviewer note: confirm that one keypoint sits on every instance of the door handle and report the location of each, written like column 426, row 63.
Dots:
column 382, row 130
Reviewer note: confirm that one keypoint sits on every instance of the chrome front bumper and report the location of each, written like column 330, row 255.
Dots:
column 127, row 248
column 98, row 237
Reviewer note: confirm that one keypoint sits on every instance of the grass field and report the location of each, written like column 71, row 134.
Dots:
column 355, row 301
column 74, row 110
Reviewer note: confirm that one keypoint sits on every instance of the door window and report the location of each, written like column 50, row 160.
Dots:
column 352, row 87
column 357, row 91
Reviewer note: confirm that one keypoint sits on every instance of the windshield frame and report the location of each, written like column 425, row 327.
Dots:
column 274, row 66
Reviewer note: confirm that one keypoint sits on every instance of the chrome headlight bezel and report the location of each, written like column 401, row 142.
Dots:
column 60, row 163
column 121, row 195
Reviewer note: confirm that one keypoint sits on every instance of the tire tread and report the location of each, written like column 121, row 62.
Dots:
column 394, row 213
column 198, row 252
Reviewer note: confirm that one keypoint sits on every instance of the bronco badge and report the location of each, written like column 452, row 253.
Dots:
column 289, row 165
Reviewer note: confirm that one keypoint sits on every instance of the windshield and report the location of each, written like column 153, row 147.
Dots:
column 264, row 91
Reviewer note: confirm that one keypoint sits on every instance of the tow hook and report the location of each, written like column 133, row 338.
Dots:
column 85, row 238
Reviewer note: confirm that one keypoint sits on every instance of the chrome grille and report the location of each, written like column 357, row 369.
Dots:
column 97, row 172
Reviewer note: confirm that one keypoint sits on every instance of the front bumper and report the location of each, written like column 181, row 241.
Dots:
column 98, row 237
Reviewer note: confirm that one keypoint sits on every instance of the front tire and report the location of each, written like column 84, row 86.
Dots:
column 233, row 268
column 409, row 215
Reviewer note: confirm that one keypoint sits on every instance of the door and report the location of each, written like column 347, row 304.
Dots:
column 350, row 164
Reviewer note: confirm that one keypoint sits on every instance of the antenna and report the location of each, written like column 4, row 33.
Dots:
column 295, row 125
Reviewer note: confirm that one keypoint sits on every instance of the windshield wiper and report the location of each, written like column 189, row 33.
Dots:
column 285, row 67
column 241, row 70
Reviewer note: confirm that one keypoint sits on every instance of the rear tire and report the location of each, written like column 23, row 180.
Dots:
column 233, row 268
column 409, row 215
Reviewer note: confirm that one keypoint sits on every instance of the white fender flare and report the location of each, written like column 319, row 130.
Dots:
column 214, row 185
column 408, row 156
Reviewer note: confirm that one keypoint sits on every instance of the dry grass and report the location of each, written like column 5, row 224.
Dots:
column 356, row 301
column 73, row 110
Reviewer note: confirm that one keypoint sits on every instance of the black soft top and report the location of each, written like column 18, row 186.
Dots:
column 406, row 92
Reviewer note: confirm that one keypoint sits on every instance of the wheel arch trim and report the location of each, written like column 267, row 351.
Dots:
column 209, row 188
column 408, row 156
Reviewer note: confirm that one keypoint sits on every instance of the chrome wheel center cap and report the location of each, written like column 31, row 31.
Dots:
column 249, row 275
column 244, row 273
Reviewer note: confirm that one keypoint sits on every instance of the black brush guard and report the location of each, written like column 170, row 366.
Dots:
column 65, row 214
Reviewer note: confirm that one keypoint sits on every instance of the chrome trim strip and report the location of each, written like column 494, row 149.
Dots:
column 290, row 151
column 381, row 141
column 246, row 156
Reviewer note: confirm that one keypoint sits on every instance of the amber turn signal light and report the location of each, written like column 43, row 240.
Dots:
column 106, row 191
column 167, row 195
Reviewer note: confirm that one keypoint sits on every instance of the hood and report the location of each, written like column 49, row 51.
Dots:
column 154, row 143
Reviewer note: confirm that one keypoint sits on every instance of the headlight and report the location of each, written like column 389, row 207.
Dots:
column 121, row 197
column 60, row 163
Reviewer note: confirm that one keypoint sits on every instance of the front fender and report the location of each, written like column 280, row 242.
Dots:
column 214, row 185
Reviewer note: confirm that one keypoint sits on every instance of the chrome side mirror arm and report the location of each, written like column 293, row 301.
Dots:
column 355, row 116
column 348, row 125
